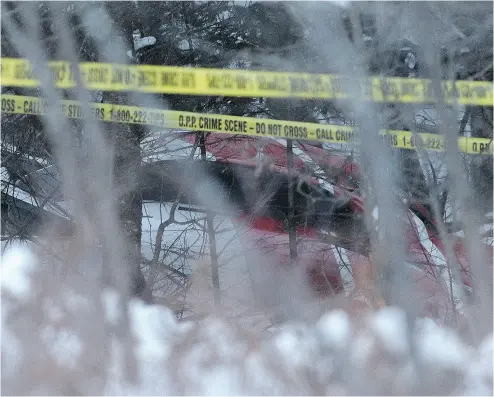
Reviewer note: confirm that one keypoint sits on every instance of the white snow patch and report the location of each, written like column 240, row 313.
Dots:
column 390, row 327
column 17, row 267
column 110, row 303
column 440, row 263
column 326, row 185
column 345, row 268
column 361, row 348
column 4, row 174
column 479, row 373
column 12, row 351
column 64, row 346
column 334, row 329
column 140, row 43
column 286, row 342
column 375, row 213
column 440, row 346
column 151, row 326
column 341, row 3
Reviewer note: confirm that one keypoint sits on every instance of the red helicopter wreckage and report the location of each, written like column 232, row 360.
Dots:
column 332, row 240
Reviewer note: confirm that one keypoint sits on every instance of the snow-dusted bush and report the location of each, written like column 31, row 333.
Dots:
column 63, row 341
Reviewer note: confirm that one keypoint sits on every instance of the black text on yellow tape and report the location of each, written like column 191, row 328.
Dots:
column 16, row 72
column 248, row 126
column 435, row 142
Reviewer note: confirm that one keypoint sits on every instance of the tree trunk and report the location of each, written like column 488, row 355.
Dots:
column 292, row 231
column 125, row 141
column 211, row 236
column 296, row 110
column 481, row 123
column 412, row 179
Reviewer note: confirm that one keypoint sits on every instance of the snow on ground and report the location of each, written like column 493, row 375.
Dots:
column 213, row 357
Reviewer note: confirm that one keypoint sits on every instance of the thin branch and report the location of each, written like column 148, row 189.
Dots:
column 168, row 222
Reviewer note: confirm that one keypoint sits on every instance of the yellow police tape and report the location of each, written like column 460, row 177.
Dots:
column 235, row 125
column 17, row 72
